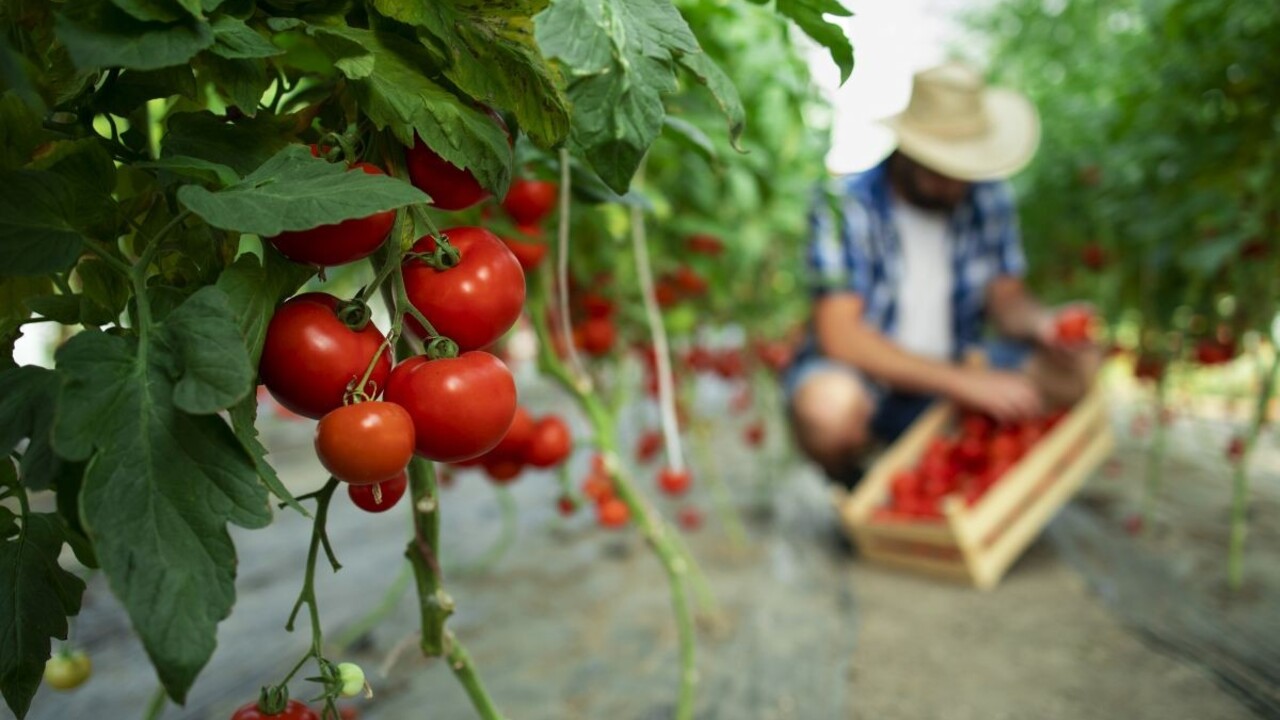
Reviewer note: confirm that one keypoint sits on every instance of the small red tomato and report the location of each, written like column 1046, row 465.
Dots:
column 1005, row 448
column 666, row 293
column 754, row 434
column 515, row 444
column 597, row 488
column 648, row 446
column 976, row 425
column 612, row 513
column 293, row 710
column 1148, row 367
column 551, row 443
column 450, row 187
column 474, row 302
column 461, row 407
column 566, row 505
column 1074, row 326
column 1235, row 449
column 729, row 364
column 528, row 254
column 689, row 518
column 529, row 201
column 704, row 244
column 674, row 482
column 689, row 281
column 596, row 305
column 378, row 497
column 310, row 357
column 905, row 483
column 1093, row 256
column 598, row 336
column 1212, row 351
column 366, row 442
column 339, row 243
column 502, row 470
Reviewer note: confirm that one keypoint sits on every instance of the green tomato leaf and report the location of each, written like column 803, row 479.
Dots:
column 105, row 292
column 397, row 95
column 242, row 82
column 808, row 15
column 64, row 309
column 100, row 35
column 619, row 57
column 91, row 177
column 203, row 171
column 17, row 295
column 722, row 89
column 243, row 416
column 492, row 56
column 235, row 40
column 255, row 289
column 295, row 191
column 691, row 136
column 35, row 236
column 242, row 145
column 162, row 484
column 158, row 10
column 39, row 596
column 134, row 87
column 20, row 132
column 28, row 396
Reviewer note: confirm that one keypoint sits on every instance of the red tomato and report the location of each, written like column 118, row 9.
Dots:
column 971, row 453
column 551, row 442
column 528, row 201
column 648, row 446
column 450, row 187
column 293, row 710
column 612, row 513
column 528, row 254
column 378, row 497
column 1073, row 326
column 596, row 305
column 674, row 482
column 340, row 243
column 1212, row 351
column 502, row 470
column 1093, row 256
column 1235, row 449
column 461, row 407
column 1148, row 367
column 1005, row 448
column 666, row 293
column 689, row 518
column 704, row 244
column 598, row 335
column 310, row 357
column 474, row 302
column 566, row 505
column 515, row 443
column 729, row 364
column 689, row 281
column 597, row 487
column 754, row 434
column 976, row 425
column 905, row 484
column 365, row 443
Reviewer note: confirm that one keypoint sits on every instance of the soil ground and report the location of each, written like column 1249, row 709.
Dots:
column 574, row 622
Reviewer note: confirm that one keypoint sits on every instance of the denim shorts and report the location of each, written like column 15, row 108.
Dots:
column 894, row 410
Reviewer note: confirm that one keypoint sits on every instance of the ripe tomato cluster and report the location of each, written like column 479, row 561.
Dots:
column 611, row 511
column 967, row 464
column 542, row 443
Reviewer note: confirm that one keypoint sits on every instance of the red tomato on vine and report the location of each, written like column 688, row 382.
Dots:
column 340, row 243
column 529, row 201
column 450, row 187
column 550, row 444
column 293, row 710
column 474, row 302
column 366, row 442
column 613, row 513
column 379, row 497
column 461, row 407
column 310, row 356
column 515, row 443
column 597, row 336
column 674, row 482
column 704, row 244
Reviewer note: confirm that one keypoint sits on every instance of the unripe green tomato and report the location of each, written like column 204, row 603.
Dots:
column 352, row 679
column 67, row 670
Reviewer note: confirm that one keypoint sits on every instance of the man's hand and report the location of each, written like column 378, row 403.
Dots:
column 1006, row 396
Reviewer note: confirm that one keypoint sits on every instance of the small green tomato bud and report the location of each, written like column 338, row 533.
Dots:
column 352, row 678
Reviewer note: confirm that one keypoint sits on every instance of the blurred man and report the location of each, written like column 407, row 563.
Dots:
column 909, row 261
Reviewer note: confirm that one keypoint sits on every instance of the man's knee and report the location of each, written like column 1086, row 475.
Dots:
column 831, row 412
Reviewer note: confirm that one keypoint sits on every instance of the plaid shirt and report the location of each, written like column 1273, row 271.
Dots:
column 861, row 252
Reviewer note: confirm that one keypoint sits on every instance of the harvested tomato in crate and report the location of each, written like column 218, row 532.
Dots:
column 960, row 496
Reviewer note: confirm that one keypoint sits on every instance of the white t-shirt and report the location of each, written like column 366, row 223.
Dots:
column 924, row 293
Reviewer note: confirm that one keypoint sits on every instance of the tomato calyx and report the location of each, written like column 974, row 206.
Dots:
column 443, row 257
column 273, row 699
column 441, row 348
column 354, row 313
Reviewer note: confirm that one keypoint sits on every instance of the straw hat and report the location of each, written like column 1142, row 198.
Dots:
column 957, row 126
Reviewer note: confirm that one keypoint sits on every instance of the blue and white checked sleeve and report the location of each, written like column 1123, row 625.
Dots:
column 839, row 242
column 1003, row 231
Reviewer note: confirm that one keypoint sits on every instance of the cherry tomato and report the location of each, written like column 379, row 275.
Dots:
column 450, row 187
column 689, row 518
column 366, row 442
column 976, row 425
column 1073, row 326
column 515, row 443
column 1005, row 448
column 474, row 302
column 387, row 494
column 461, row 407
column 339, row 243
column 704, row 244
column 1093, row 256
column 597, row 487
column 67, row 670
column 1235, row 449
column 666, row 293
column 598, row 336
column 689, row 281
column 293, row 710
column 674, row 482
column 648, row 446
column 1148, row 367
column 551, row 442
column 612, row 513
column 1212, row 351
column 528, row 201
column 310, row 357
column 501, row 469
column 596, row 305
column 566, row 505
column 528, row 254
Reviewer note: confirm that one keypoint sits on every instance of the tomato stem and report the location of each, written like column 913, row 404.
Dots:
column 1240, row 479
column 463, row 669
column 158, row 700
column 422, row 553
column 562, row 269
column 308, row 594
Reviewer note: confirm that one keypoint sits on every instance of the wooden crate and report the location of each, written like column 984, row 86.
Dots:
column 978, row 544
